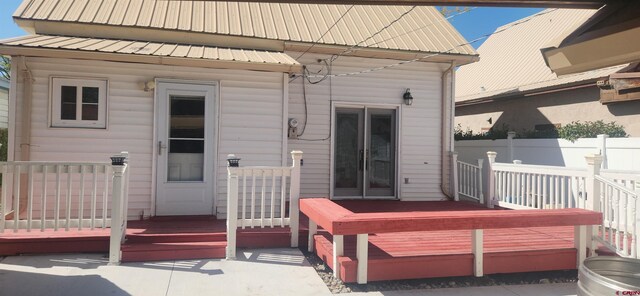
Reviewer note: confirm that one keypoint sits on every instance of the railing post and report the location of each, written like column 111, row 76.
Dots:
column 232, row 206
column 510, row 136
column 592, row 200
column 594, row 161
column 294, row 197
column 491, row 155
column 454, row 166
column 480, row 189
column 119, row 166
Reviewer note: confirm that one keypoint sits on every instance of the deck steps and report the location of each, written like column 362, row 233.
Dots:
column 174, row 238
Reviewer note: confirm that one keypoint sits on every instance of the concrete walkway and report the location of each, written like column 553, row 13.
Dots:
column 255, row 272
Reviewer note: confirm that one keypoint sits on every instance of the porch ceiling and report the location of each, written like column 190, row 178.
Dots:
column 149, row 52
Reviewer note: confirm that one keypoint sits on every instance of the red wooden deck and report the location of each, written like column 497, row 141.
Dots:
column 423, row 254
column 160, row 238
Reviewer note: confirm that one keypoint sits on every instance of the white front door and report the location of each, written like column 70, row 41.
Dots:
column 186, row 148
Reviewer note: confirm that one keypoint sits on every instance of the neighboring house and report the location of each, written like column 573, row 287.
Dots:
column 4, row 102
column 182, row 84
column 511, row 84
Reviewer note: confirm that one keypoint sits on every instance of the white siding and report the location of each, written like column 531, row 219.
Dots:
column 4, row 107
column 420, row 130
column 250, row 117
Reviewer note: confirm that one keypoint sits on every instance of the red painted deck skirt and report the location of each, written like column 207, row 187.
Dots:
column 427, row 254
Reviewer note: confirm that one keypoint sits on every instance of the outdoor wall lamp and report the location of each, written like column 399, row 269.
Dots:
column 407, row 97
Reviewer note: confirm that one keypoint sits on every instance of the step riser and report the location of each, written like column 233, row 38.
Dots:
column 209, row 253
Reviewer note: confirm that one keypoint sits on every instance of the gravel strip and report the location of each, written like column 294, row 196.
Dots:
column 336, row 286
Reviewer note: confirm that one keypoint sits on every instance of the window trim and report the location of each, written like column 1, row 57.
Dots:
column 55, row 112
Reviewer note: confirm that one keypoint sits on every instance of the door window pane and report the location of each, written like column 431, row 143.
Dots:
column 382, row 155
column 346, row 150
column 187, row 117
column 68, row 102
column 186, row 139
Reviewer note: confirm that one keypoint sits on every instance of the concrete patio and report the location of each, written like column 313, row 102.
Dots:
column 255, row 272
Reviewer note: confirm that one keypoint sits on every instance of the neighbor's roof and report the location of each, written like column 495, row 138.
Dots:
column 276, row 21
column 156, row 53
column 511, row 62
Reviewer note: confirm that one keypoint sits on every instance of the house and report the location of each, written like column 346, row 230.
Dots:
column 512, row 85
column 180, row 85
column 4, row 102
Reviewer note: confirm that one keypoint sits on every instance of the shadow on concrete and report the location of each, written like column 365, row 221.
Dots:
column 28, row 283
column 94, row 261
column 291, row 256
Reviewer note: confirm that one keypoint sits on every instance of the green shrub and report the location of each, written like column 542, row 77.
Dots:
column 591, row 129
column 571, row 132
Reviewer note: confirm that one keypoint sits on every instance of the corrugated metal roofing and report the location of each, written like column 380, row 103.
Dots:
column 511, row 61
column 277, row 21
column 152, row 49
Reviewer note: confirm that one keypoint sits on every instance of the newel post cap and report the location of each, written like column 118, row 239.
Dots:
column 233, row 160
column 594, row 159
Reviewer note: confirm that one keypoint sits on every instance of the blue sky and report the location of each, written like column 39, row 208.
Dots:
column 473, row 24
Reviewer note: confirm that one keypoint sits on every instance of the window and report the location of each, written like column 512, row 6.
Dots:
column 79, row 103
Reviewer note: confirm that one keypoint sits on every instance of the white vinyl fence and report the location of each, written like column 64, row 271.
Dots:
column 257, row 197
column 468, row 179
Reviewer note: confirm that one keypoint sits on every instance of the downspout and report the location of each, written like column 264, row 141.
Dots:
column 27, row 96
column 447, row 133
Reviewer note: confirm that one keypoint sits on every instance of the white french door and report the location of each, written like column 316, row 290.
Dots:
column 364, row 152
column 186, row 148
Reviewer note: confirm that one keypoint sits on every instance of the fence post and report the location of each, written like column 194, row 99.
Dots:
column 232, row 206
column 602, row 147
column 480, row 190
column 510, row 136
column 454, row 166
column 294, row 196
column 592, row 200
column 119, row 165
column 491, row 155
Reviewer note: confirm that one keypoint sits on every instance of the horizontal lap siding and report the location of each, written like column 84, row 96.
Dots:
column 250, row 118
column 4, row 108
column 421, row 123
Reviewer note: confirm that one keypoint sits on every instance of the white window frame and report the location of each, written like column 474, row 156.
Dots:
column 56, row 89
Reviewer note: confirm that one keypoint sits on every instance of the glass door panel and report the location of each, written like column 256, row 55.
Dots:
column 381, row 155
column 186, row 139
column 348, row 152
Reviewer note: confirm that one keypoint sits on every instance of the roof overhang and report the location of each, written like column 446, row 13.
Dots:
column 159, row 53
column 588, row 4
column 608, row 38
column 364, row 52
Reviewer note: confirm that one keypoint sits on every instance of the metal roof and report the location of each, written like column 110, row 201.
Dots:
column 275, row 21
column 277, row 60
column 511, row 62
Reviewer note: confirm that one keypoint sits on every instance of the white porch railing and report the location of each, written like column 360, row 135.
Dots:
column 614, row 193
column 257, row 197
column 64, row 196
column 468, row 180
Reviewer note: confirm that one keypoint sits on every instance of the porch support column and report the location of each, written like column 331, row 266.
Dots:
column 580, row 243
column 362, row 254
column 477, row 250
column 313, row 229
column 338, row 250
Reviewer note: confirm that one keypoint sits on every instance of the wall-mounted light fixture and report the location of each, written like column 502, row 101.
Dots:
column 149, row 86
column 407, row 97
